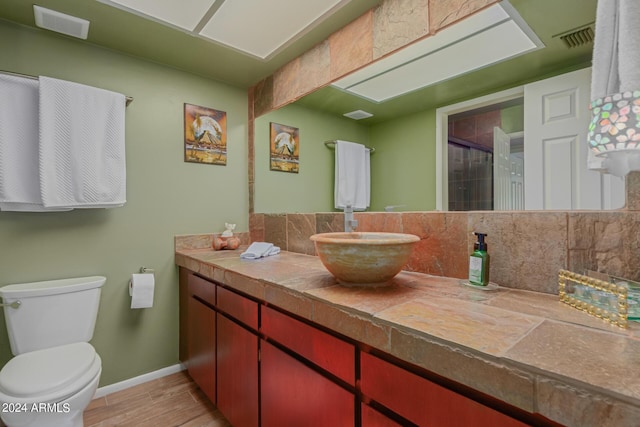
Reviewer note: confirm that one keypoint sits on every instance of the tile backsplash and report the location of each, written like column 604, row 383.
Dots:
column 527, row 248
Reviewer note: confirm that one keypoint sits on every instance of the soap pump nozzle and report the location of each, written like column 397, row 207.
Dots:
column 482, row 245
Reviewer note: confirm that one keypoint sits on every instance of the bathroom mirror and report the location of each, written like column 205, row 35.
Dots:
column 403, row 128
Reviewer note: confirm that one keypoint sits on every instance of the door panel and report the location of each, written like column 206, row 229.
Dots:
column 501, row 170
column 556, row 122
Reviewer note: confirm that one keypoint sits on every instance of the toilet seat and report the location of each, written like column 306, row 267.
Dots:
column 49, row 375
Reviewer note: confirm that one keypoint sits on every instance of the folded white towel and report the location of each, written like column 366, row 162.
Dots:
column 259, row 250
column 19, row 182
column 352, row 176
column 274, row 251
column 82, row 152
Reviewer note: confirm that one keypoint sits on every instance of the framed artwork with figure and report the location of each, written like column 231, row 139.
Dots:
column 284, row 148
column 205, row 135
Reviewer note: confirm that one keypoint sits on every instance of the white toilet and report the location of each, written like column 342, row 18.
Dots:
column 55, row 371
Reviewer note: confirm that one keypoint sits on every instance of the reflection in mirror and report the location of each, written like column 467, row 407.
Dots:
column 486, row 157
column 408, row 168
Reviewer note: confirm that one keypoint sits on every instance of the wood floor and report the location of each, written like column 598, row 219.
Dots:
column 174, row 400
column 171, row 401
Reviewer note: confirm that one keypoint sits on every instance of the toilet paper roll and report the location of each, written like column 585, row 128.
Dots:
column 141, row 288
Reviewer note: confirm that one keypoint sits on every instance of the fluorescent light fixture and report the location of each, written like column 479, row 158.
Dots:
column 267, row 26
column 184, row 14
column 488, row 37
column 257, row 28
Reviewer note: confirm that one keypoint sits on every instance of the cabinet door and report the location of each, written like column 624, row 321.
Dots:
column 202, row 346
column 422, row 401
column 183, row 304
column 326, row 351
column 237, row 373
column 293, row 394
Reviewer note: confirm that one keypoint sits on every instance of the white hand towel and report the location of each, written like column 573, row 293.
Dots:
column 275, row 250
column 19, row 182
column 352, row 176
column 82, row 152
column 257, row 250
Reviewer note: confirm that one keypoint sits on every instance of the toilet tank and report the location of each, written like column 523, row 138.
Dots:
column 51, row 313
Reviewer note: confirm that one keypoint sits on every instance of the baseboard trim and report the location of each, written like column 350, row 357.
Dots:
column 122, row 385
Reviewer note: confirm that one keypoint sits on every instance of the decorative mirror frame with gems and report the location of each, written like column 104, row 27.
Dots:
column 607, row 301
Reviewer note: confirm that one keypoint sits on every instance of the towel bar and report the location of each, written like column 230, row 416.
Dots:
column 332, row 144
column 26, row 76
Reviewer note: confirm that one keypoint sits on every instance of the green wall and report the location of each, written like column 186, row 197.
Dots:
column 513, row 118
column 165, row 197
column 310, row 190
column 402, row 168
column 404, row 163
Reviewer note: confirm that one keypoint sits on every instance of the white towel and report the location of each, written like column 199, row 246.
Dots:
column 615, row 88
column 19, row 182
column 352, row 178
column 259, row 250
column 82, row 153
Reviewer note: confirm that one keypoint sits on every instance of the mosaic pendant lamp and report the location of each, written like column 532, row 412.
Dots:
column 614, row 131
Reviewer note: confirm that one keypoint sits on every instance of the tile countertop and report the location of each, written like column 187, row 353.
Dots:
column 525, row 348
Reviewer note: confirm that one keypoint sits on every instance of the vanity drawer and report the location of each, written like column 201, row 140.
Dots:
column 421, row 401
column 321, row 348
column 202, row 289
column 240, row 308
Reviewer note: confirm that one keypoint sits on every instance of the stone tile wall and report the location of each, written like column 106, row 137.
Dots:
column 527, row 248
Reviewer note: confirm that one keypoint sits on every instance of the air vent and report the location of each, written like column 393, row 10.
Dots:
column 577, row 37
column 358, row 115
column 61, row 23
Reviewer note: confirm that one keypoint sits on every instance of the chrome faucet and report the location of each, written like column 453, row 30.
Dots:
column 350, row 224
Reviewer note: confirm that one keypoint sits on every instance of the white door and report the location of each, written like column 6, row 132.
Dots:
column 501, row 170
column 517, row 182
column 556, row 120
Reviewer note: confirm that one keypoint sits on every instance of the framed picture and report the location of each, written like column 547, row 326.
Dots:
column 285, row 148
column 205, row 135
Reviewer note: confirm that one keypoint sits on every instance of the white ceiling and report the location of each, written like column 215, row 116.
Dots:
column 257, row 28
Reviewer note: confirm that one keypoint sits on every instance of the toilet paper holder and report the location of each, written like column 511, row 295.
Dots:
column 144, row 270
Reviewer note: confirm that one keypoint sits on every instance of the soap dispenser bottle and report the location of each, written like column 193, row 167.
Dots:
column 479, row 262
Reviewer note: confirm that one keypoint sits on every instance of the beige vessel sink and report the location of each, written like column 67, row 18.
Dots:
column 364, row 258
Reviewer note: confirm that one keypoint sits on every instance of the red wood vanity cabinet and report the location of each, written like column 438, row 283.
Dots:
column 201, row 333
column 219, row 346
column 297, row 364
column 421, row 401
column 264, row 367
column 237, row 363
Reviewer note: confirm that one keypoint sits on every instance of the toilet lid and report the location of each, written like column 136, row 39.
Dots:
column 41, row 372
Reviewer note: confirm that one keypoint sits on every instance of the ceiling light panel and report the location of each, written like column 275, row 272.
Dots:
column 488, row 47
column 185, row 14
column 472, row 25
column 261, row 28
column 493, row 35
